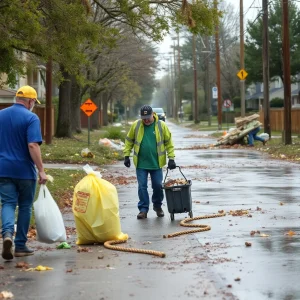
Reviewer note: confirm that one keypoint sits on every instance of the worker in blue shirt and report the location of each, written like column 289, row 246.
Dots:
column 20, row 155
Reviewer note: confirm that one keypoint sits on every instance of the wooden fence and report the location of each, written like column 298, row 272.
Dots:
column 277, row 119
column 40, row 110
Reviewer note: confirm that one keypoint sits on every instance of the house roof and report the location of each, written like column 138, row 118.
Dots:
column 7, row 93
column 260, row 95
column 255, row 96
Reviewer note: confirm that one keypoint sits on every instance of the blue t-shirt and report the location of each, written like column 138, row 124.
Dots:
column 18, row 128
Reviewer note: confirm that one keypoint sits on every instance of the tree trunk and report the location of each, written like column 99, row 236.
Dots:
column 64, row 125
column 105, row 100
column 111, row 111
column 75, row 105
column 95, row 116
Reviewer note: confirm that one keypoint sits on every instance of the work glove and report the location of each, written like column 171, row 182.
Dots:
column 127, row 161
column 171, row 164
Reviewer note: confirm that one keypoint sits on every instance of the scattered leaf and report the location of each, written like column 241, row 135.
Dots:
column 290, row 233
column 248, row 244
column 84, row 249
column 237, row 279
column 253, row 232
column 281, row 203
column 22, row 265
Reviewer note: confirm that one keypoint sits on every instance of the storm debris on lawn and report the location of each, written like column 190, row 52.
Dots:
column 243, row 127
column 86, row 152
column 6, row 295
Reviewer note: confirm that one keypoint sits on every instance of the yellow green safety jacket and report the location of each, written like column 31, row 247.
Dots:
column 164, row 142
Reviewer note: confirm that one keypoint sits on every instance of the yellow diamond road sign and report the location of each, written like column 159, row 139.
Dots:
column 242, row 74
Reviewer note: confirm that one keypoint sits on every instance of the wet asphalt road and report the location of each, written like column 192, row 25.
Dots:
column 214, row 264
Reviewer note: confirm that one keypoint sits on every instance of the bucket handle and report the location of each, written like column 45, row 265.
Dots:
column 179, row 170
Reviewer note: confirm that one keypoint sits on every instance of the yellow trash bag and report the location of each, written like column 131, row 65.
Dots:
column 96, row 210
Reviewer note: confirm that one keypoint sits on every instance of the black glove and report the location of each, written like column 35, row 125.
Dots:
column 171, row 164
column 127, row 161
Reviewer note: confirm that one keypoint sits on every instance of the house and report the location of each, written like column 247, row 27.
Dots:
column 34, row 78
column 255, row 93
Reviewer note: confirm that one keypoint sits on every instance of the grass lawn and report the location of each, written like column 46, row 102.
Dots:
column 66, row 150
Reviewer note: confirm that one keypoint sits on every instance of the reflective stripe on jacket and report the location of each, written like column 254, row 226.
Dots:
column 164, row 142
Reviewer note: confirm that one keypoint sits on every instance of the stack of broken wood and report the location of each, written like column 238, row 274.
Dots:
column 243, row 127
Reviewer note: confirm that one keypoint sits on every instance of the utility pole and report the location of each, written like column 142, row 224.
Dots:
column 48, row 134
column 266, row 75
column 179, row 75
column 172, row 84
column 286, row 73
column 218, row 75
column 170, row 80
column 207, row 81
column 175, row 111
column 242, row 60
column 195, row 82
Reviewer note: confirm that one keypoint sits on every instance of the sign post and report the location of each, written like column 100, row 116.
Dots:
column 214, row 92
column 227, row 103
column 88, row 107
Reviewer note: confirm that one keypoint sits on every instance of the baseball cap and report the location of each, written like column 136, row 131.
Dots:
column 27, row 91
column 146, row 112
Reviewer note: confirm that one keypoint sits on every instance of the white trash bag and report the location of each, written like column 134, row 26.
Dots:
column 49, row 222
column 264, row 136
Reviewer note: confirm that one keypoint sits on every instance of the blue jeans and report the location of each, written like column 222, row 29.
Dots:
column 252, row 136
column 15, row 192
column 156, row 180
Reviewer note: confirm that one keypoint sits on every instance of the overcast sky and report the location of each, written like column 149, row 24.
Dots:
column 251, row 9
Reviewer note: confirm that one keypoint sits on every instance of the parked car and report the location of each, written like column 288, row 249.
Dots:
column 160, row 113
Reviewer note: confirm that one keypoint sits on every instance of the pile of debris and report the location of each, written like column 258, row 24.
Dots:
column 243, row 127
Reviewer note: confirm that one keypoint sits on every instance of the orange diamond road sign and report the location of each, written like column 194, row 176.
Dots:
column 88, row 107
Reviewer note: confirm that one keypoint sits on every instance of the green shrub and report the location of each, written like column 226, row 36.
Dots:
column 236, row 102
column 115, row 133
column 277, row 102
